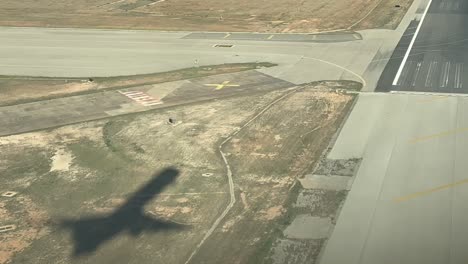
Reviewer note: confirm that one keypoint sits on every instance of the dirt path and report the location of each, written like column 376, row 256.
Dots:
column 229, row 172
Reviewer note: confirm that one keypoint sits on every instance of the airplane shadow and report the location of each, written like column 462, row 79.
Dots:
column 91, row 232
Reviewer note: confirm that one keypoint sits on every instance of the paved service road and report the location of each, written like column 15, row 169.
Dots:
column 438, row 59
column 408, row 203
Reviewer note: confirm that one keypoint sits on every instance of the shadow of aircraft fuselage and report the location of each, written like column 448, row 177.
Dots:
column 90, row 232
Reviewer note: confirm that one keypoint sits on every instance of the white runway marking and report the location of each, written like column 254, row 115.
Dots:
column 397, row 76
column 404, row 73
column 445, row 74
column 141, row 98
column 458, row 75
column 416, row 73
column 430, row 72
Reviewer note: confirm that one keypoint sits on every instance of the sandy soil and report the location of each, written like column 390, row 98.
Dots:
column 208, row 15
column 32, row 226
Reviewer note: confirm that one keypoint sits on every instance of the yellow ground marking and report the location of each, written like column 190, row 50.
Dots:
column 227, row 35
column 442, row 134
column 426, row 192
column 271, row 36
column 434, row 98
column 220, row 86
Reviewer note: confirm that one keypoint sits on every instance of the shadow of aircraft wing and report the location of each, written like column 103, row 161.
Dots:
column 151, row 189
column 90, row 233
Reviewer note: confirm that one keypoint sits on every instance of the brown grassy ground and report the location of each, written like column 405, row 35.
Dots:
column 89, row 168
column 207, row 15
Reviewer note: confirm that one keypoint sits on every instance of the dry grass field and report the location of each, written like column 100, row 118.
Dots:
column 207, row 15
column 89, row 170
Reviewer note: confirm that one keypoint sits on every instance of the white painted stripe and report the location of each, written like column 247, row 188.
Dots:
column 429, row 73
column 140, row 96
column 152, row 103
column 405, row 72
column 448, row 73
column 149, row 98
column 132, row 93
column 458, row 75
column 397, row 77
column 445, row 74
column 416, row 73
column 427, row 93
column 460, row 80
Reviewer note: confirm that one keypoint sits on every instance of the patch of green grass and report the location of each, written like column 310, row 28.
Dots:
column 110, row 129
column 261, row 254
column 264, row 248
column 88, row 155
column 37, row 163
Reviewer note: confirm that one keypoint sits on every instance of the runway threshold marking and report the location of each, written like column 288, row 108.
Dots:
column 141, row 98
column 442, row 134
column 458, row 75
column 220, row 86
column 429, row 191
column 405, row 58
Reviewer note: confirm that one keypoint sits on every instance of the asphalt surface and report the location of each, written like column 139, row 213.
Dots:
column 437, row 60
column 407, row 204
column 87, row 52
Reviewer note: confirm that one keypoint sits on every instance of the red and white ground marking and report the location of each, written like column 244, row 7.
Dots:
column 141, row 98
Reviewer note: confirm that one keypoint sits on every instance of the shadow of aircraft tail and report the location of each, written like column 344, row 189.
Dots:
column 90, row 232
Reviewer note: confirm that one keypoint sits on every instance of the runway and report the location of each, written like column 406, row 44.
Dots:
column 438, row 59
column 407, row 204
